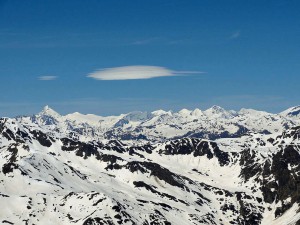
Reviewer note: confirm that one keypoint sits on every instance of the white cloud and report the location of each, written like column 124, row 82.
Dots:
column 136, row 72
column 47, row 78
column 235, row 35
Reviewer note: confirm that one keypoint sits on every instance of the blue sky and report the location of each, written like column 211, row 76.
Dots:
column 248, row 52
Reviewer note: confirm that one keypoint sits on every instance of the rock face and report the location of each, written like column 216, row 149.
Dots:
column 53, row 172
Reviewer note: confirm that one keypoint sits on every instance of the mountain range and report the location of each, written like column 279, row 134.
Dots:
column 160, row 125
column 214, row 167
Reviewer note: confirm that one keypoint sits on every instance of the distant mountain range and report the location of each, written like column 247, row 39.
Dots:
column 213, row 167
column 160, row 125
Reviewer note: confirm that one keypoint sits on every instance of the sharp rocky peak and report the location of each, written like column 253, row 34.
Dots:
column 49, row 112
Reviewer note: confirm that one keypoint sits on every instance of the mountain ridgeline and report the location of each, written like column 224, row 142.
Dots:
column 158, row 126
column 213, row 167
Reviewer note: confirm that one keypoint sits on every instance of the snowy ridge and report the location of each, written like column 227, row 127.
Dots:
column 53, row 172
column 160, row 125
column 293, row 112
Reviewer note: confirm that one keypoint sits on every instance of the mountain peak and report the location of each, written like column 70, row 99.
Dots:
column 219, row 112
column 49, row 112
column 216, row 109
column 185, row 112
column 197, row 112
column 161, row 112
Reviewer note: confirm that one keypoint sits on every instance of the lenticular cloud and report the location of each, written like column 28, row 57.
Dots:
column 131, row 72
column 134, row 72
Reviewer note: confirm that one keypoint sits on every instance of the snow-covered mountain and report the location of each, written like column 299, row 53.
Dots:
column 68, row 170
column 160, row 125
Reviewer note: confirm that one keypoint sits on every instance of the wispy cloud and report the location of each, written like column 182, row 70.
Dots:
column 136, row 72
column 162, row 41
column 147, row 41
column 46, row 78
column 235, row 35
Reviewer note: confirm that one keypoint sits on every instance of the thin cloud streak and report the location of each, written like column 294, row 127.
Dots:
column 146, row 41
column 47, row 78
column 136, row 73
column 188, row 72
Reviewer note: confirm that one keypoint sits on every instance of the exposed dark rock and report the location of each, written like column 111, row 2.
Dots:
column 249, row 165
column 285, row 181
column 42, row 138
column 248, row 213
column 8, row 222
column 99, row 221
